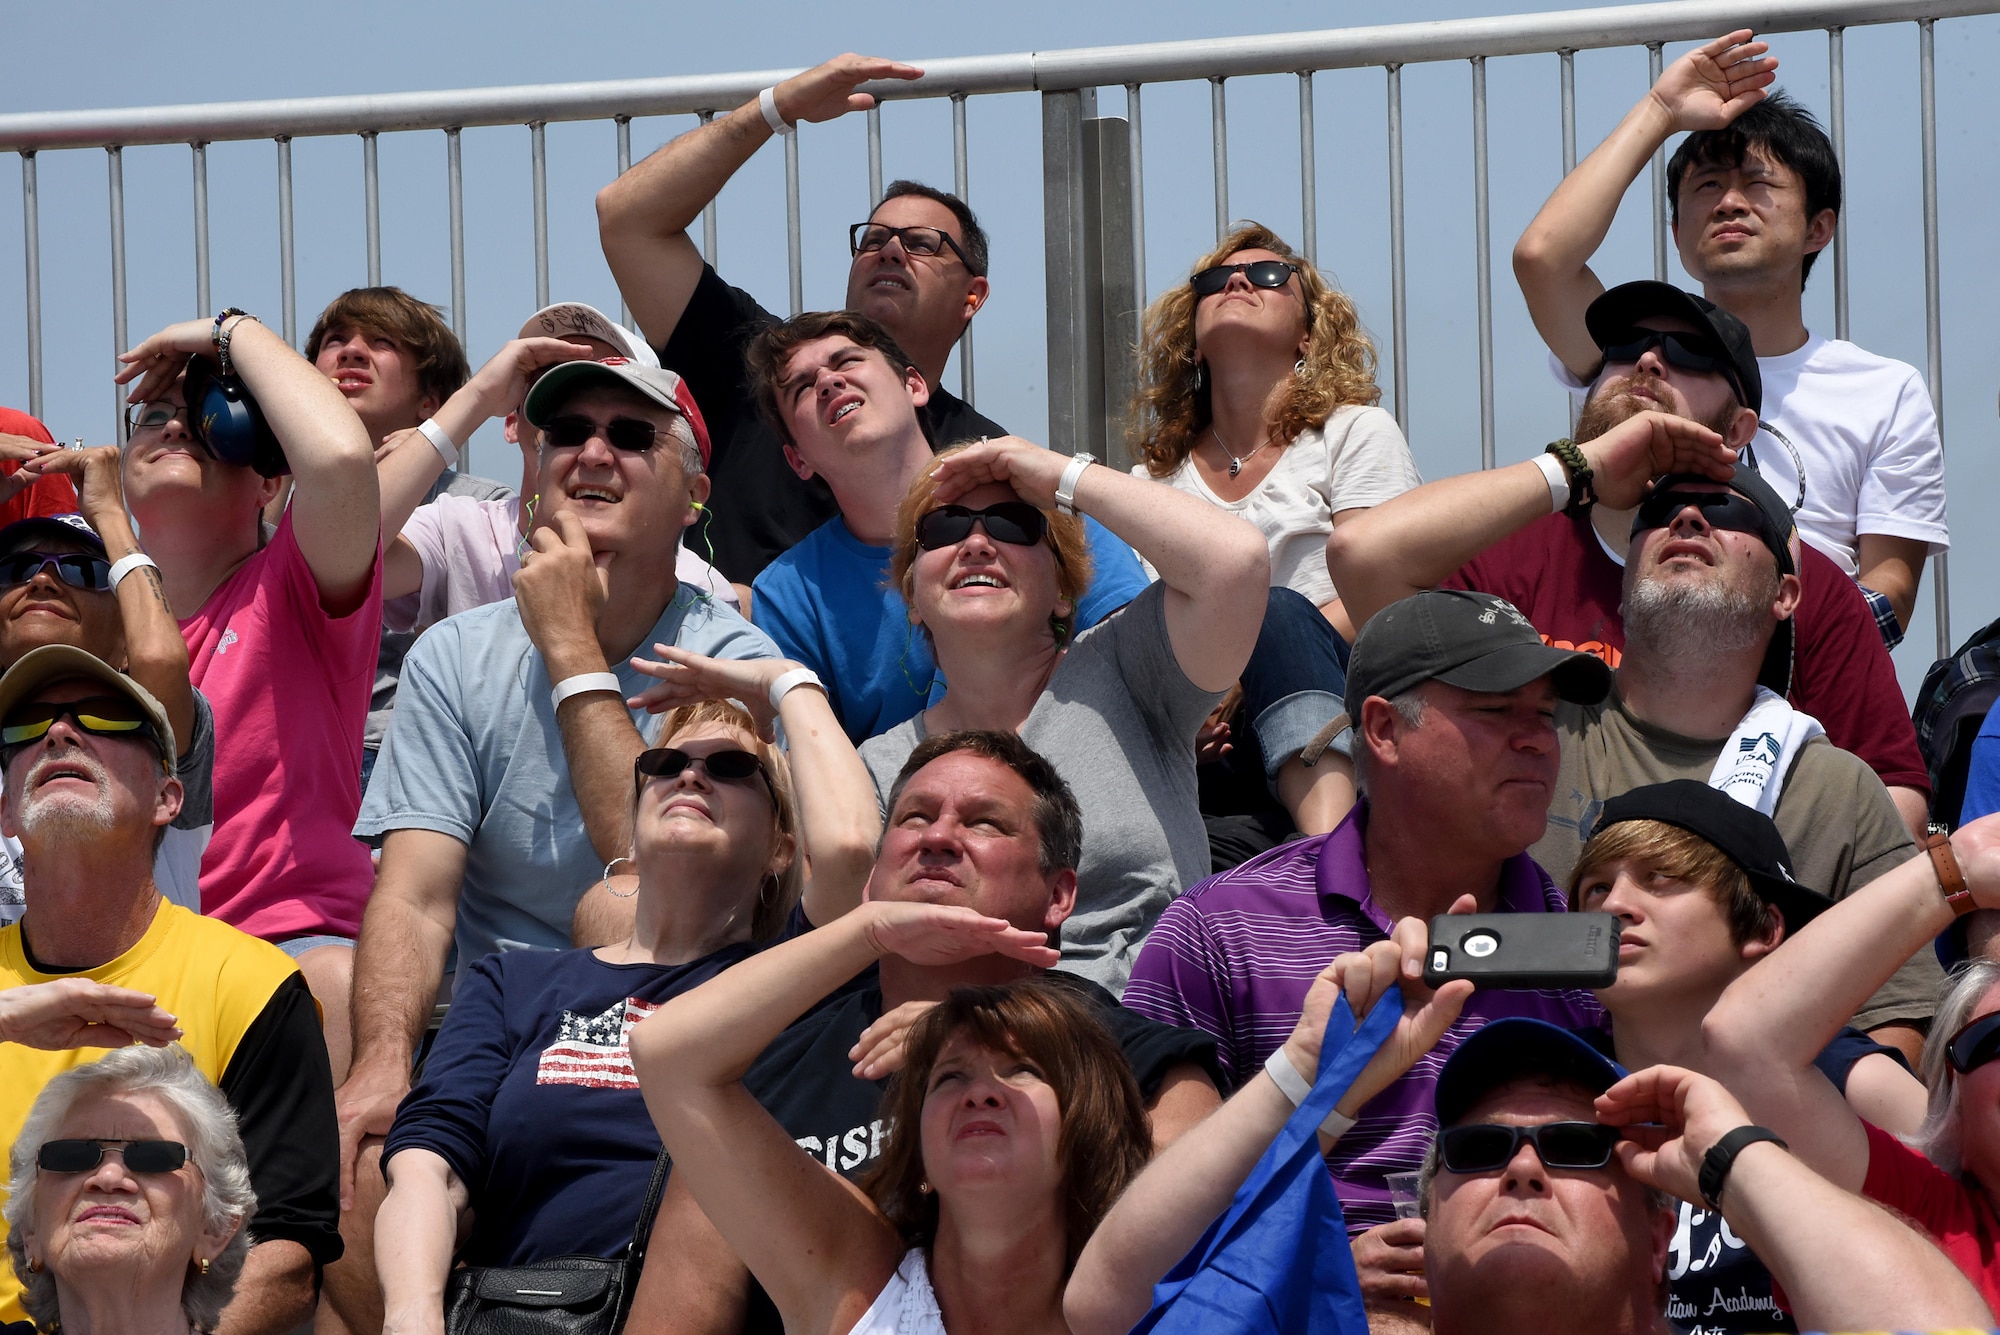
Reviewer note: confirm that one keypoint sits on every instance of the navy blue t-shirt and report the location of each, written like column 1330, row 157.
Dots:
column 529, row 1095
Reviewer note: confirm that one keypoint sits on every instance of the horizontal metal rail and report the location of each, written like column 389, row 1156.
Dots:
column 1032, row 71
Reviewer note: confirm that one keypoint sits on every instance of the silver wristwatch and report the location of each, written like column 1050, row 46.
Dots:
column 1066, row 485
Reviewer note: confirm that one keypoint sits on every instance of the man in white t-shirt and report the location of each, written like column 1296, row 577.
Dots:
column 1849, row 439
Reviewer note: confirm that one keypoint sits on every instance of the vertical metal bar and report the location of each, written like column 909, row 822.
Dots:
column 1836, row 88
column 454, row 174
column 115, row 159
column 624, row 124
column 1218, row 110
column 708, row 214
column 288, row 293
column 794, row 259
column 1135, row 142
column 31, row 235
column 1308, row 172
column 1568, row 110
column 1483, row 253
column 874, row 157
column 539, row 161
column 1933, row 322
column 1399, row 329
column 961, row 185
column 371, row 185
column 1654, row 56
column 1075, row 368
column 201, row 306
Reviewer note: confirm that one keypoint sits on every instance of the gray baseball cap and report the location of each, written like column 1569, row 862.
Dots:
column 662, row 386
column 1463, row 638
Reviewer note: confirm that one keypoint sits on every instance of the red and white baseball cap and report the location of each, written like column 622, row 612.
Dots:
column 655, row 382
column 575, row 319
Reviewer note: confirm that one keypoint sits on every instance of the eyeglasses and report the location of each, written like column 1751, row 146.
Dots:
column 140, row 1156
column 1015, row 522
column 79, row 570
column 99, row 715
column 155, row 413
column 1700, row 353
column 1719, row 509
column 864, row 238
column 1261, row 273
column 1487, row 1148
column 732, row 766
column 1975, row 1045
column 629, row 434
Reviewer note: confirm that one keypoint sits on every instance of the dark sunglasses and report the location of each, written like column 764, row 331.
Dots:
column 666, row 762
column 1975, row 1045
column 1719, row 509
column 863, row 238
column 1700, row 353
column 620, row 433
column 1261, row 273
column 99, row 715
column 1015, row 522
column 79, row 570
column 80, row 1156
column 1487, row 1148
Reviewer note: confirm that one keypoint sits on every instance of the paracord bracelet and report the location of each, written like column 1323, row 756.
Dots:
column 1582, row 492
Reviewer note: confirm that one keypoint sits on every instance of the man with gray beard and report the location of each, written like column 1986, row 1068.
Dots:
column 1708, row 617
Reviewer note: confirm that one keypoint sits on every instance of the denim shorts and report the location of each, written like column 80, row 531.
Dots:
column 299, row 945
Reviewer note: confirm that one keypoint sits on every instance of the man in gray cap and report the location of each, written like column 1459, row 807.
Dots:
column 511, row 749
column 1453, row 697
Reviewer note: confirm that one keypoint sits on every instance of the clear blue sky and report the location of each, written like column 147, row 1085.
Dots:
column 82, row 54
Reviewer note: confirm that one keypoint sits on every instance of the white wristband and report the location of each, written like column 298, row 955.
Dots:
column 1552, row 469
column 1066, row 484
column 1295, row 1087
column 767, row 101
column 802, row 676
column 583, row 683
column 441, row 440
column 125, row 565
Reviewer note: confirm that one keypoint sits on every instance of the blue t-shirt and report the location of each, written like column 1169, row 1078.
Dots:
column 1982, row 775
column 474, row 751
column 529, row 1095
column 828, row 605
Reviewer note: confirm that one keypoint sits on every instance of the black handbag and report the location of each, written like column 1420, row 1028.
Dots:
column 570, row 1295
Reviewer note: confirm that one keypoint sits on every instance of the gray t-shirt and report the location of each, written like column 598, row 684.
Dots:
column 1837, row 819
column 177, row 861
column 395, row 643
column 474, row 752
column 1118, row 721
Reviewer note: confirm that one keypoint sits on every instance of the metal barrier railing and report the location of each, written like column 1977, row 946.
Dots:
column 1094, row 208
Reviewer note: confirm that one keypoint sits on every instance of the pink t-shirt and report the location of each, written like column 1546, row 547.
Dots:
column 289, row 685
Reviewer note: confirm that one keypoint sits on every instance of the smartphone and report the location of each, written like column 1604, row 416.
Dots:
column 1523, row 950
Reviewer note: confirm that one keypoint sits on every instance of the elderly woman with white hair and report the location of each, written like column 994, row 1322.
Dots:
column 129, row 1198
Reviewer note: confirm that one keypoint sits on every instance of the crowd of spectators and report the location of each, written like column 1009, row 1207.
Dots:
column 801, row 857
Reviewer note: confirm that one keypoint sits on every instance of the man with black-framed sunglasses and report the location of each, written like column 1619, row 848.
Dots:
column 918, row 266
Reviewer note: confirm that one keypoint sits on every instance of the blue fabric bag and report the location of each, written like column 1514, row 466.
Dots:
column 1278, row 1259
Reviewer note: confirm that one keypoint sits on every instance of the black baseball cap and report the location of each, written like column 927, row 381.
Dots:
column 1508, row 1049
column 1742, row 834
column 1621, row 308
column 1468, row 639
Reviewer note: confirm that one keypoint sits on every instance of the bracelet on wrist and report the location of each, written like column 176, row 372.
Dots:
column 1951, row 879
column 1557, row 478
column 226, row 320
column 440, row 440
column 583, row 683
column 767, row 102
column 125, row 565
column 1582, row 482
column 786, row 682
column 1296, row 1087
column 1066, row 485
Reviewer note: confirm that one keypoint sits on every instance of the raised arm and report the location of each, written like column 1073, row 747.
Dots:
column 812, row 1240
column 1705, row 89
column 839, row 818
column 1845, row 1263
column 422, row 1221
column 1411, row 542
column 1167, row 1208
column 1762, row 1035
column 643, row 216
column 1216, row 567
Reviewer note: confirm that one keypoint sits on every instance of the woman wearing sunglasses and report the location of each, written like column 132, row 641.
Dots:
column 526, row 1138
column 989, row 560
column 128, row 1198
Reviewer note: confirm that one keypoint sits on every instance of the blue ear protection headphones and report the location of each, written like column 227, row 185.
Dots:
column 229, row 422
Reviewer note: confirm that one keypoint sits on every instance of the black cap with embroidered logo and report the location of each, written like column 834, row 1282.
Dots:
column 1618, row 310
column 1463, row 638
column 1742, row 834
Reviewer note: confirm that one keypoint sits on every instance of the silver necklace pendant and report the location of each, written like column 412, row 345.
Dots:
column 1235, row 467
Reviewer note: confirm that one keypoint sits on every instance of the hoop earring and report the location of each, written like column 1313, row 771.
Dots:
column 1200, row 377
column 1299, row 367
column 35, row 1266
column 201, row 1265
column 767, row 889
column 607, row 879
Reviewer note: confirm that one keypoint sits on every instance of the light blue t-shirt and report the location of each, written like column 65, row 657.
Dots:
column 828, row 605
column 474, row 751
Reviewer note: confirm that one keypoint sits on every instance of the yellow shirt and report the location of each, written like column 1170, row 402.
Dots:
column 214, row 979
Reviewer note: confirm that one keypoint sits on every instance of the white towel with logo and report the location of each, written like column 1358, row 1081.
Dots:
column 1759, row 754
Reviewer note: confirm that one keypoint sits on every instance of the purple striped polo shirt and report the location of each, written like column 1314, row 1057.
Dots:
column 1236, row 955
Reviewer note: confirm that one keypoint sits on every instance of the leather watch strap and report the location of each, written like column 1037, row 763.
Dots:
column 1951, row 880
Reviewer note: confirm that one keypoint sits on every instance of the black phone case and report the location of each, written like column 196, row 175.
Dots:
column 1523, row 950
